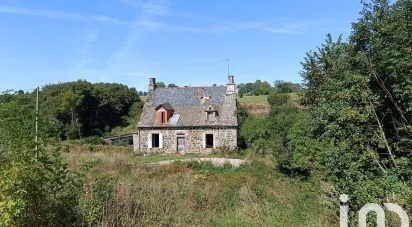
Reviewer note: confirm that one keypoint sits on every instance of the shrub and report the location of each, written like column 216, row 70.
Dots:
column 36, row 186
column 97, row 192
column 278, row 99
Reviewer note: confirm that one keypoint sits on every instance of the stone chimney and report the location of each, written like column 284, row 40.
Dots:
column 152, row 84
column 230, row 88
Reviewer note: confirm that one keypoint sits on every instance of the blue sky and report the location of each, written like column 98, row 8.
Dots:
column 184, row 42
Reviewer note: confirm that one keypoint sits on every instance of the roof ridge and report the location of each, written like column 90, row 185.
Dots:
column 190, row 87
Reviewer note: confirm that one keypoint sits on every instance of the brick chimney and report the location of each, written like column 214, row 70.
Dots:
column 152, row 84
column 230, row 88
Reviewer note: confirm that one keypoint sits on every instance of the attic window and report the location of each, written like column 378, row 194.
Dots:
column 211, row 116
column 163, row 117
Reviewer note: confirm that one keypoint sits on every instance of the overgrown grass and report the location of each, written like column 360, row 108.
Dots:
column 198, row 194
column 143, row 98
column 262, row 99
column 258, row 106
column 254, row 100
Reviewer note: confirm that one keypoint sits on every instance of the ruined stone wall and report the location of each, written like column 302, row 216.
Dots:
column 195, row 141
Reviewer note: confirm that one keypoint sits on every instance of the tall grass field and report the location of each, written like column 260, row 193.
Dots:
column 193, row 194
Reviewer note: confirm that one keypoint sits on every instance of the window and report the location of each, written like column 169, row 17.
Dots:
column 155, row 140
column 163, row 117
column 210, row 116
column 209, row 140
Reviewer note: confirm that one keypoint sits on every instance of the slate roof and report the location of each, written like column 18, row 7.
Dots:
column 189, row 105
column 188, row 96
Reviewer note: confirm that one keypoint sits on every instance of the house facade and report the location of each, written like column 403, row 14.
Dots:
column 187, row 119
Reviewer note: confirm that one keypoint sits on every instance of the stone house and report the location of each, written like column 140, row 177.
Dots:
column 187, row 119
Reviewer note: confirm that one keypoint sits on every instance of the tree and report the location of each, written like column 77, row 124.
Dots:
column 278, row 99
column 36, row 187
column 261, row 88
column 245, row 88
column 80, row 109
column 286, row 87
column 172, row 85
column 359, row 99
column 160, row 84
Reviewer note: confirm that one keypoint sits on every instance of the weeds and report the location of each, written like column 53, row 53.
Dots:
column 195, row 194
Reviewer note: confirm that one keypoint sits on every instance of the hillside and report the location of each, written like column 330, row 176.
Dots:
column 259, row 106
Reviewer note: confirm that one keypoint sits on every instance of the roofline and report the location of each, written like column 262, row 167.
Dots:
column 189, row 126
column 219, row 86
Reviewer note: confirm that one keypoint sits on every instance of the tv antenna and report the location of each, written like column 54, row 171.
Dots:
column 228, row 66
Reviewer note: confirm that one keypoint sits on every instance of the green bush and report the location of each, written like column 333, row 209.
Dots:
column 278, row 99
column 97, row 192
column 256, row 133
column 36, row 186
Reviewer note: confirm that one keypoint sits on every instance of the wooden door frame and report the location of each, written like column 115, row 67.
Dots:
column 184, row 144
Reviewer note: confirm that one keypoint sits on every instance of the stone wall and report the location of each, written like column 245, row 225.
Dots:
column 195, row 140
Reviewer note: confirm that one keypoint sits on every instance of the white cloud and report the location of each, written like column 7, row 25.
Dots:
column 158, row 7
column 55, row 14
column 147, row 20
column 151, row 18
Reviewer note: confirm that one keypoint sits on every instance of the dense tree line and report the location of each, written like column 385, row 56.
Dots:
column 264, row 88
column 355, row 129
column 81, row 109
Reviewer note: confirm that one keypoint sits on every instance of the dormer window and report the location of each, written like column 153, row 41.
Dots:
column 163, row 113
column 163, row 119
column 211, row 113
column 211, row 116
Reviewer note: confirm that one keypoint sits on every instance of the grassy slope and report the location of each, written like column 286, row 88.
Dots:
column 188, row 194
column 143, row 98
column 262, row 99
column 259, row 106
column 254, row 100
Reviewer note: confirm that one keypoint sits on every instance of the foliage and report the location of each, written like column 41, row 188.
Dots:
column 96, row 194
column 36, row 187
column 242, row 114
column 199, row 194
column 278, row 99
column 92, row 140
column 281, row 86
column 245, row 89
column 172, row 85
column 261, row 87
column 257, row 88
column 270, row 135
column 160, row 84
column 81, row 109
column 256, row 133
column 359, row 96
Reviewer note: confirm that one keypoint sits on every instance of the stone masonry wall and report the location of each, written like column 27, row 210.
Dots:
column 195, row 140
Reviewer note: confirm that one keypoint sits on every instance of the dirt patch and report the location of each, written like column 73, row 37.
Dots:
column 259, row 110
